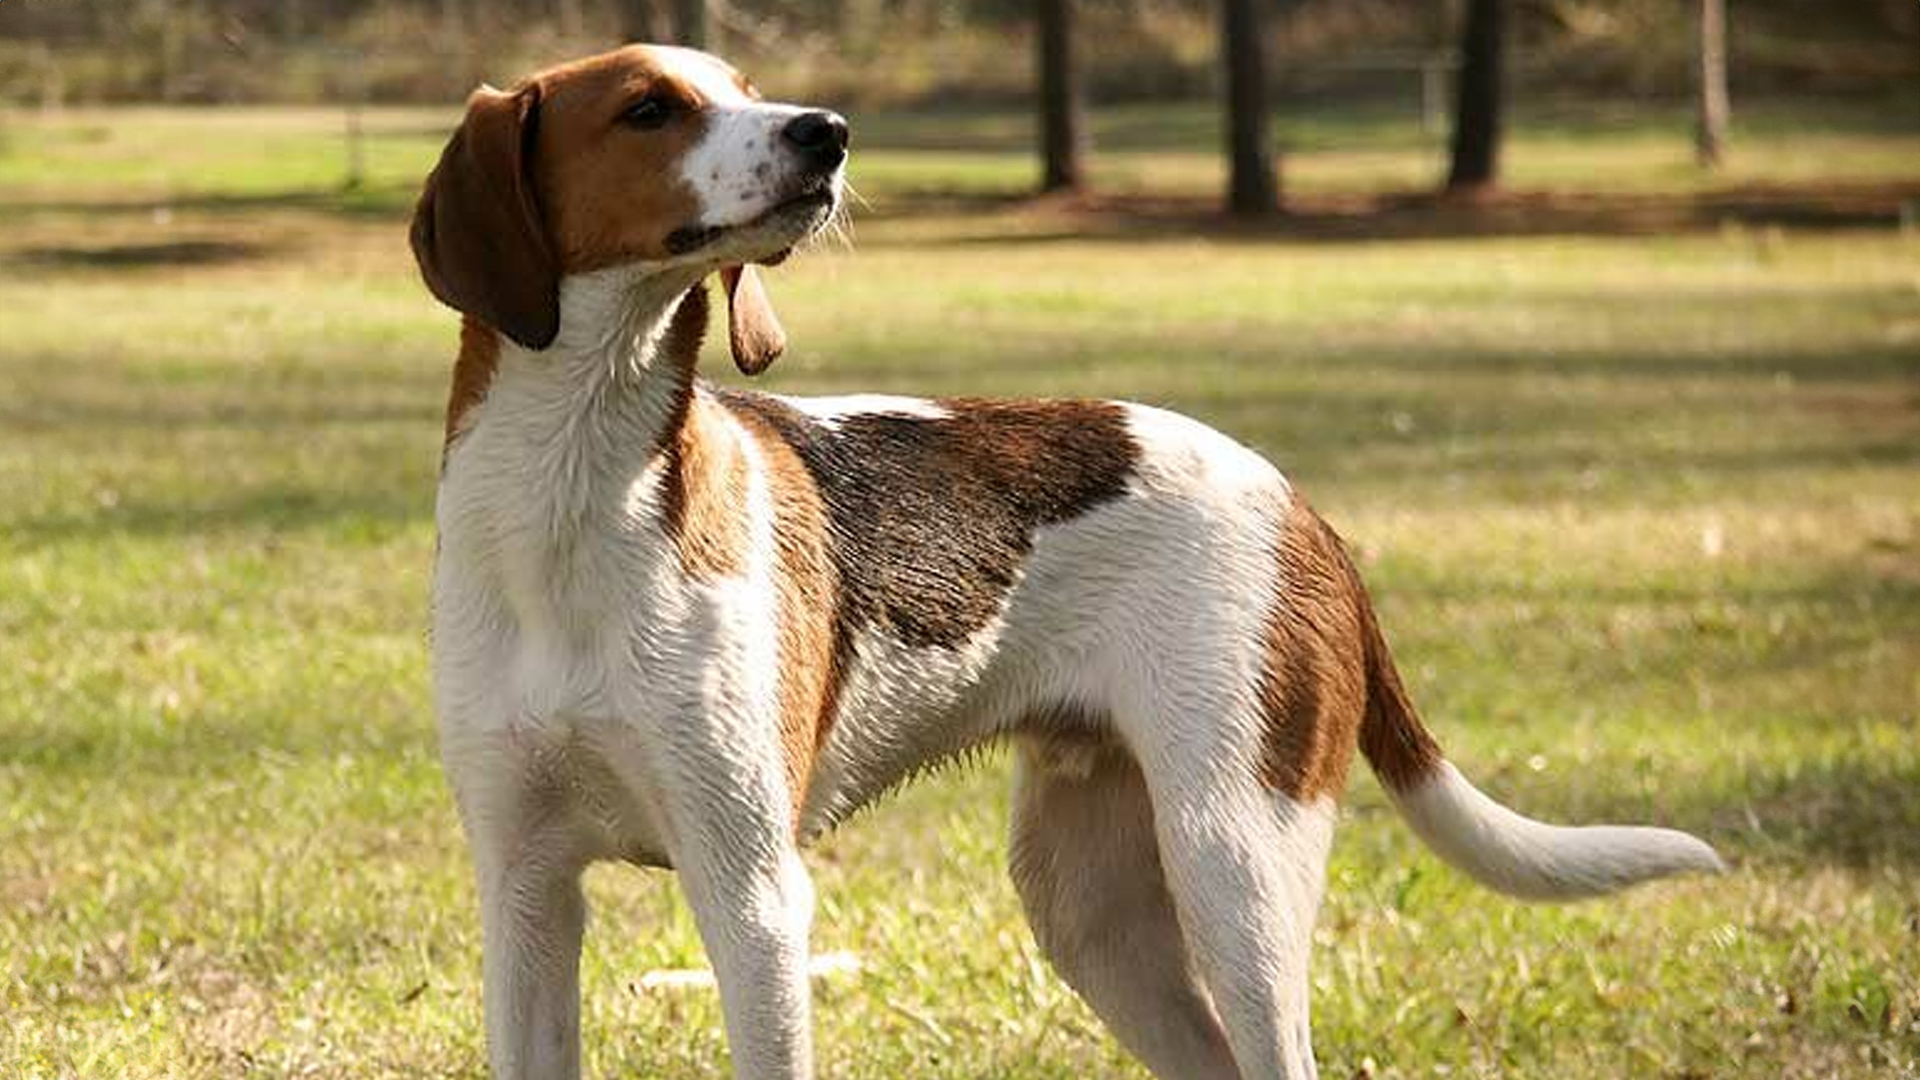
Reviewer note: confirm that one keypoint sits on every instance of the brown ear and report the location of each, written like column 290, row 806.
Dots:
column 478, row 234
column 753, row 330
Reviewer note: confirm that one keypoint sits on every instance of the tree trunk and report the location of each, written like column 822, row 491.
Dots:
column 690, row 23
column 1063, row 128
column 1252, row 187
column 572, row 19
column 638, row 21
column 173, row 47
column 1480, row 98
column 1710, row 133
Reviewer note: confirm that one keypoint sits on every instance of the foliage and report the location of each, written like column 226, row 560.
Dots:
column 895, row 51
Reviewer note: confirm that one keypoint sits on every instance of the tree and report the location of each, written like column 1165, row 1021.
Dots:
column 1710, row 134
column 1252, row 187
column 690, row 23
column 453, row 19
column 1063, row 128
column 639, row 21
column 1479, row 98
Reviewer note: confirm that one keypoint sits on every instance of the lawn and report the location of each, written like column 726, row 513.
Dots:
column 1641, row 514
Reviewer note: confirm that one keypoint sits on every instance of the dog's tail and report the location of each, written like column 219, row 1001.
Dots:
column 1503, row 850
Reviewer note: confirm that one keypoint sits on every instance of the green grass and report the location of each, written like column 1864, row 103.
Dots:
column 1641, row 514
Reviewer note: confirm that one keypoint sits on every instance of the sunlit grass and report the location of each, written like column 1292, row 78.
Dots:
column 1642, row 517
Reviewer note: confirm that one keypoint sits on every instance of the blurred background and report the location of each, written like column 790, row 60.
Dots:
column 1593, row 325
column 1397, row 85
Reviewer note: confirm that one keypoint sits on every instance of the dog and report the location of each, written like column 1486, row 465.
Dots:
column 692, row 627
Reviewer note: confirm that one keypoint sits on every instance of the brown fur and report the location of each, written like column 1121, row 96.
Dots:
column 704, row 496
column 1392, row 737
column 1313, row 690
column 1329, row 681
column 548, row 180
column 478, row 233
column 472, row 374
column 611, row 193
column 705, row 507
column 813, row 643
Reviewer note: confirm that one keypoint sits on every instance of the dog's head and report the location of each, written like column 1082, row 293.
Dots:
column 650, row 156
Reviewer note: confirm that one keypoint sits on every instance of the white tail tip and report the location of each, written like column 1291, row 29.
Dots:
column 1532, row 860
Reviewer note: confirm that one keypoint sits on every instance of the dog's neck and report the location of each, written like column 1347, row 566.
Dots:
column 570, row 426
column 615, row 379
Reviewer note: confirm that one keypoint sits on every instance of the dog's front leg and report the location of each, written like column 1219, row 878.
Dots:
column 753, row 902
column 532, row 915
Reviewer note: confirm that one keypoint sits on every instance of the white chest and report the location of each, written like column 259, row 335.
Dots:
column 555, row 616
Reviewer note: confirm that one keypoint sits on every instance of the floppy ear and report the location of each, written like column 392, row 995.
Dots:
column 478, row 234
column 753, row 330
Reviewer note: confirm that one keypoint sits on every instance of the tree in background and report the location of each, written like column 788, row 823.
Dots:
column 1063, row 120
column 639, row 20
column 1252, row 187
column 1710, row 133
column 690, row 23
column 1479, row 99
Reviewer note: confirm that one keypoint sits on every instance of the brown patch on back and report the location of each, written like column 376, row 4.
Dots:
column 1329, row 682
column 814, row 647
column 473, row 375
column 932, row 519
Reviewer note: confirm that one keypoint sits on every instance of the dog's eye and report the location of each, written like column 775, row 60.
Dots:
column 648, row 112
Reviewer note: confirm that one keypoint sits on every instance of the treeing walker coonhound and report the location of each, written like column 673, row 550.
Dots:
column 692, row 627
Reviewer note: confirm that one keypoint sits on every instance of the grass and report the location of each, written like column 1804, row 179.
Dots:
column 1641, row 513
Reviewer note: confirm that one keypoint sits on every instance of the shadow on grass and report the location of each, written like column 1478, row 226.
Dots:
column 178, row 253
column 1409, row 216
column 267, row 510
column 211, row 413
column 1310, row 118
column 1012, row 216
column 224, row 745
column 1854, row 812
column 373, row 202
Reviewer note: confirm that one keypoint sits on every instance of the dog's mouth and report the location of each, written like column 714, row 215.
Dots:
column 801, row 214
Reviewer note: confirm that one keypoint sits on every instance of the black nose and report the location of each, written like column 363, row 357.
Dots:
column 821, row 137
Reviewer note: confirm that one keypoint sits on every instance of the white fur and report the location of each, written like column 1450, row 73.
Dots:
column 708, row 74
column 1536, row 861
column 573, row 726
column 830, row 411
column 737, row 167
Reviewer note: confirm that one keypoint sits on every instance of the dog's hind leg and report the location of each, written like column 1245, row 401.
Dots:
column 1088, row 872
column 1246, row 867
